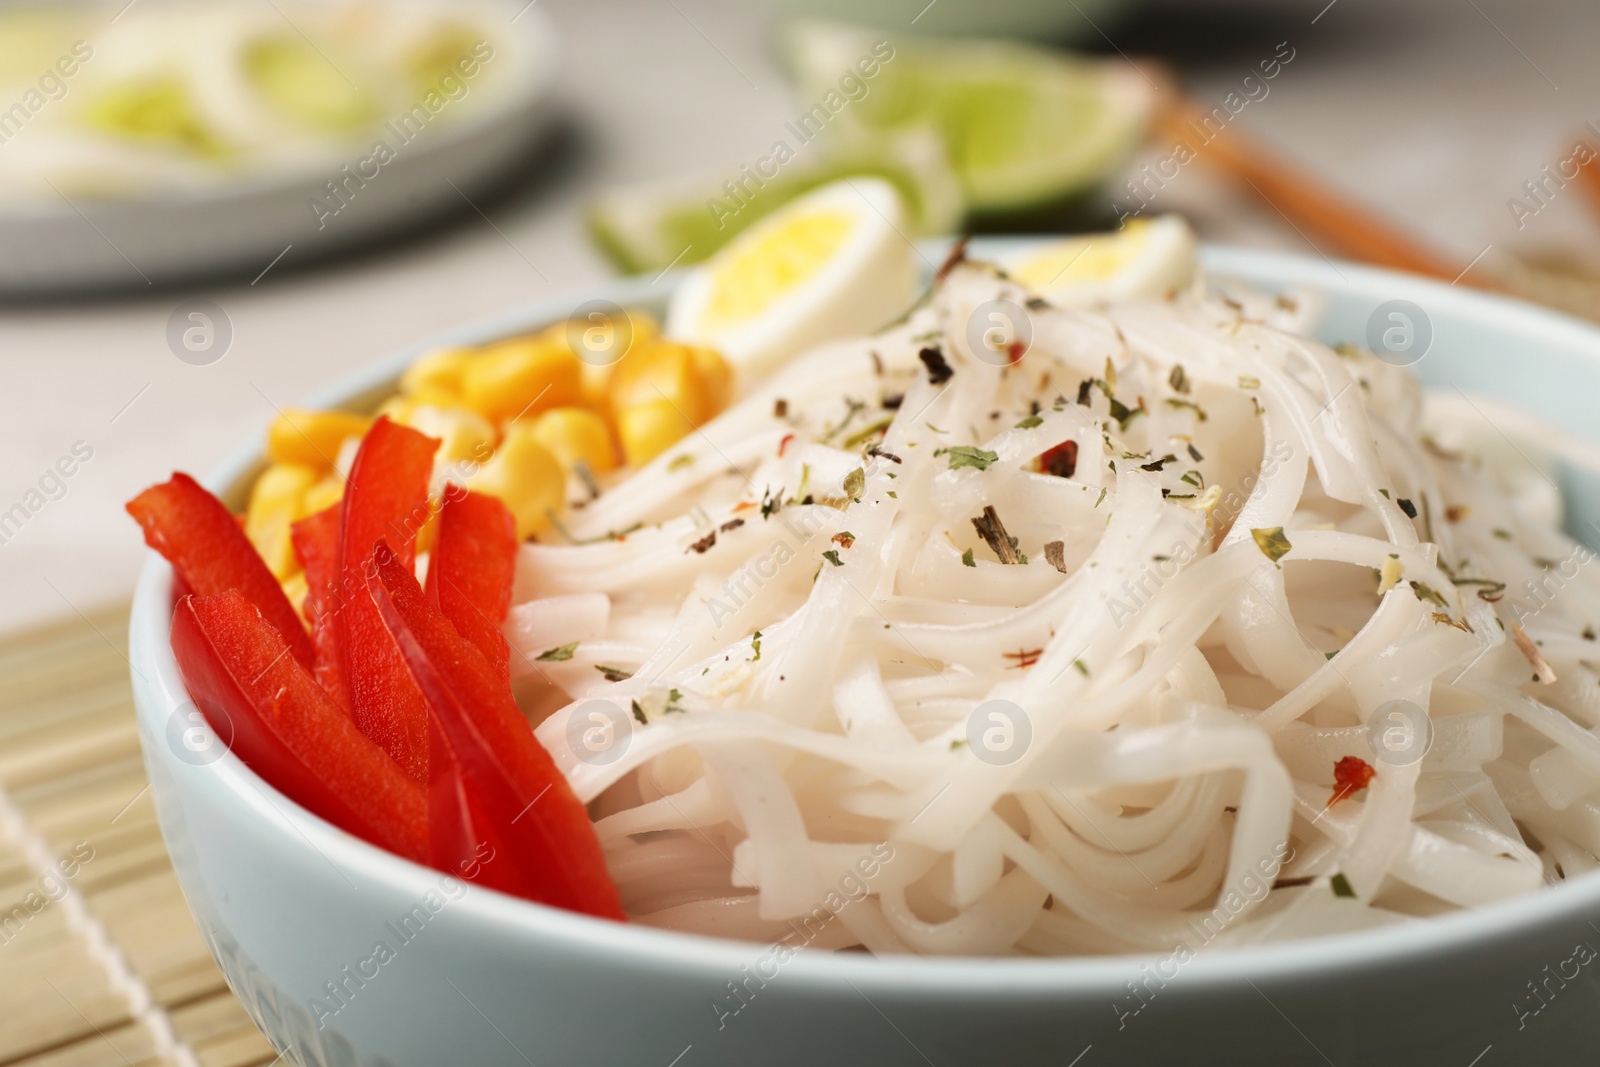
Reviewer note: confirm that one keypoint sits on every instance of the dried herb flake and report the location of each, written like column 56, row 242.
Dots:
column 1424, row 591
column 993, row 532
column 939, row 371
column 1273, row 544
column 855, row 483
column 1179, row 402
column 968, row 456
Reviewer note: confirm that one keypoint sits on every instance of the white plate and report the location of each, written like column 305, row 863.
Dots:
column 243, row 228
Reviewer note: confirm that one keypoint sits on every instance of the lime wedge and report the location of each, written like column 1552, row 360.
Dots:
column 1024, row 127
column 649, row 227
column 438, row 56
column 158, row 110
column 304, row 83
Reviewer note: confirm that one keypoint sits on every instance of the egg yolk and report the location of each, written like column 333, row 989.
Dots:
column 1085, row 260
column 774, row 263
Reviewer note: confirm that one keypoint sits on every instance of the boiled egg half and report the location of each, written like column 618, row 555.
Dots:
column 1147, row 257
column 833, row 263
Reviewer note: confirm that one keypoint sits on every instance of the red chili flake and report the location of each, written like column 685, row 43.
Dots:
column 1025, row 658
column 1017, row 351
column 1062, row 460
column 1350, row 774
column 784, row 444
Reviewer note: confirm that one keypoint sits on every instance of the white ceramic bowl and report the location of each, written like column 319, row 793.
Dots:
column 293, row 908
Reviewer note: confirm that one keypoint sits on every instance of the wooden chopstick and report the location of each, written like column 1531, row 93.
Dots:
column 1333, row 222
column 1589, row 177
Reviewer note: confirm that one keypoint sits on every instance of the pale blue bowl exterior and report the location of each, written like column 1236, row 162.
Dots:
column 287, row 902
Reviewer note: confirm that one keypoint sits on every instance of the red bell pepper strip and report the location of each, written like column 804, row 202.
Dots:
column 506, row 790
column 316, row 546
column 470, row 571
column 458, row 830
column 385, row 497
column 211, row 554
column 278, row 720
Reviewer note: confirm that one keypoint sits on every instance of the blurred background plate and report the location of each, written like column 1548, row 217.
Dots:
column 1058, row 21
column 69, row 245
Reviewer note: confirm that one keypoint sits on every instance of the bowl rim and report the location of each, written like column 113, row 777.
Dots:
column 155, row 674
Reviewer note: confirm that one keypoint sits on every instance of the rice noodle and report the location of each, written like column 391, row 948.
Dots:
column 806, row 640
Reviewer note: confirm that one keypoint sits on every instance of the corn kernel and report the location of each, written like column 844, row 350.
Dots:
column 716, row 381
column 428, row 532
column 649, row 429
column 435, row 377
column 599, row 338
column 439, row 398
column 295, row 587
column 659, row 371
column 324, row 495
column 526, row 478
column 646, row 327
column 522, row 376
column 695, row 380
column 596, row 385
column 574, row 434
column 398, row 408
column 465, row 438
column 276, row 500
column 312, row 438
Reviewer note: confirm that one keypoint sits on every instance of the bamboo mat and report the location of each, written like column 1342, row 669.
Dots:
column 103, row 966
